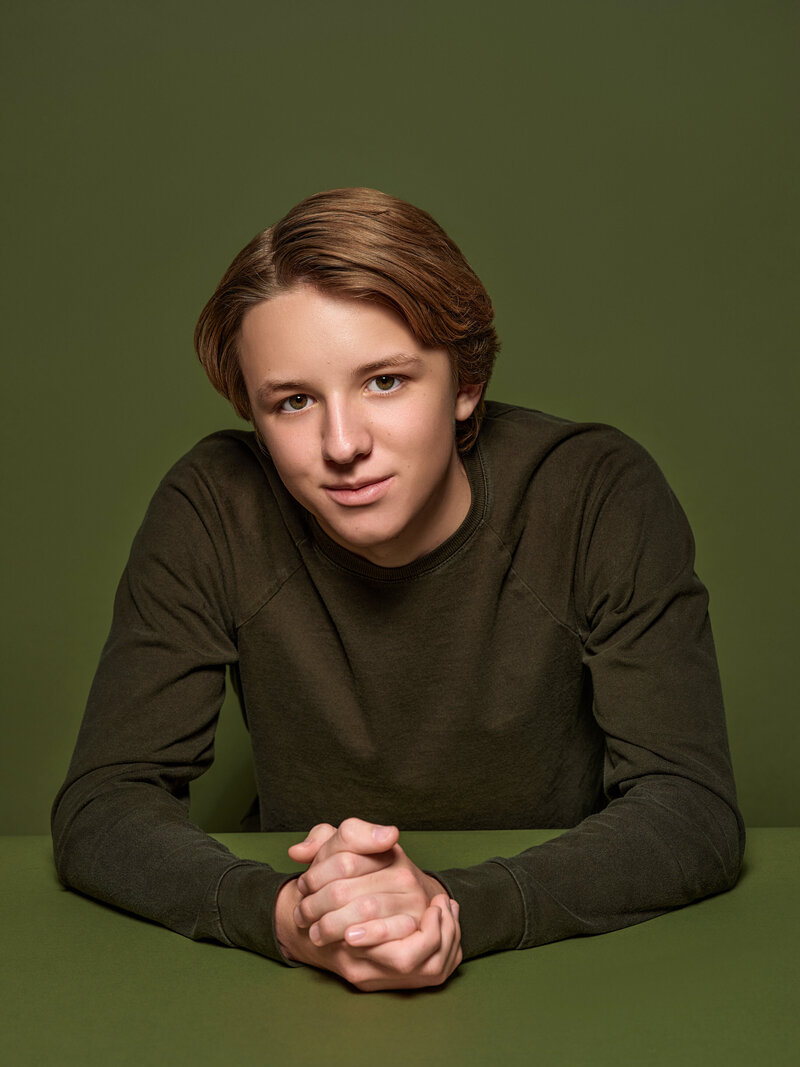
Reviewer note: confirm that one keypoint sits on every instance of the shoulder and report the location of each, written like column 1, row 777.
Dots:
column 536, row 436
column 229, row 470
column 223, row 504
column 582, row 499
column 531, row 455
column 227, row 456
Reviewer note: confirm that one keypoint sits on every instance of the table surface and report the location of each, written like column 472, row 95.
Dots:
column 715, row 983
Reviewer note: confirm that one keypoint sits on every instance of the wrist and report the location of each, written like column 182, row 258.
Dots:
column 432, row 887
column 287, row 933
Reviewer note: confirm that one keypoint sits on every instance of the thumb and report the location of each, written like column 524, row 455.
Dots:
column 305, row 851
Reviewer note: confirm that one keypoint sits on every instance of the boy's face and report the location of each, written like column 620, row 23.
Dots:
column 359, row 420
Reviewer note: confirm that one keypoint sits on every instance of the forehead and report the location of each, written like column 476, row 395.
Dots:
column 303, row 322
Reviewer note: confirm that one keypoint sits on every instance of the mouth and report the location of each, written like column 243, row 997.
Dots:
column 355, row 494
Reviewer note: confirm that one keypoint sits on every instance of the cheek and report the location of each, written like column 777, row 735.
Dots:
column 432, row 429
column 290, row 453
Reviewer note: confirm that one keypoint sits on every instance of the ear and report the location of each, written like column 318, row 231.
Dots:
column 467, row 399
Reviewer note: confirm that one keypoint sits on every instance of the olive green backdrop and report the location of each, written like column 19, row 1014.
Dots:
column 622, row 175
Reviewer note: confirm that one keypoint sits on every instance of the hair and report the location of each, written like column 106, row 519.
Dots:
column 364, row 245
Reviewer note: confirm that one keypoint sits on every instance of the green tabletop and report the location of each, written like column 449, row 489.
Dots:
column 714, row 983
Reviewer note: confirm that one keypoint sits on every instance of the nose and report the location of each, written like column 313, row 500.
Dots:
column 346, row 435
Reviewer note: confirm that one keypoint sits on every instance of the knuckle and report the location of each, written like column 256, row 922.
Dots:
column 311, row 879
column 405, row 963
column 348, row 831
column 406, row 879
column 367, row 907
column 407, row 966
column 407, row 925
column 321, row 829
column 306, row 910
column 338, row 893
column 326, row 928
column 345, row 865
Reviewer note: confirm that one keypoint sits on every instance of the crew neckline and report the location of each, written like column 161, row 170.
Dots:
column 358, row 565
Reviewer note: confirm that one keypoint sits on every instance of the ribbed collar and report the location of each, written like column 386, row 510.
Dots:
column 349, row 561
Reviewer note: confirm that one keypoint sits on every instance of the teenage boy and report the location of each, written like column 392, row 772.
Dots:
column 437, row 613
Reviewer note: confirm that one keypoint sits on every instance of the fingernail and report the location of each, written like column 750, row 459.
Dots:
column 356, row 933
column 313, row 933
column 301, row 885
column 297, row 915
column 381, row 833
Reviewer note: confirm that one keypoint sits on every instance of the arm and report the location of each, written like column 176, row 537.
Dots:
column 671, row 831
column 121, row 826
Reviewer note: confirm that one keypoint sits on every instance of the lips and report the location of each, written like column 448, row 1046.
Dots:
column 355, row 494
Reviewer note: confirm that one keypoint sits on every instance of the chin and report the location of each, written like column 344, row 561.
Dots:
column 362, row 539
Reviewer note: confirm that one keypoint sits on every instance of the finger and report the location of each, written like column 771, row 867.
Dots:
column 441, row 962
column 378, row 931
column 407, row 956
column 396, row 887
column 455, row 954
column 332, row 925
column 354, row 835
column 305, row 851
column 341, row 865
column 365, row 838
column 393, row 966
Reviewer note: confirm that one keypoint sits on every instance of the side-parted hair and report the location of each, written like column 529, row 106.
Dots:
column 364, row 245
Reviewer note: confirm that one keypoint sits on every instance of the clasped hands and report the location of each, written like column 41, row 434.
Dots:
column 363, row 910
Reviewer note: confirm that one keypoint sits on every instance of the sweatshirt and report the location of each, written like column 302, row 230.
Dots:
column 550, row 664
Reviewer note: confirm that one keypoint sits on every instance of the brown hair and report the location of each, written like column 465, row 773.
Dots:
column 366, row 245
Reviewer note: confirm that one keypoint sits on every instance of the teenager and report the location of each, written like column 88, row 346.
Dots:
column 437, row 612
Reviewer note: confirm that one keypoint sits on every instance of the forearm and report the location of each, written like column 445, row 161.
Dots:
column 664, row 844
column 133, row 845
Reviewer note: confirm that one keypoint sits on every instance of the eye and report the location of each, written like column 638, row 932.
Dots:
column 385, row 383
column 298, row 402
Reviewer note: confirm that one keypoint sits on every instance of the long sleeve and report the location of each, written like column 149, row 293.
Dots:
column 572, row 576
column 671, row 831
column 121, row 826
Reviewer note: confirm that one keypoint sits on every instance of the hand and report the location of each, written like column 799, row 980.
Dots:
column 427, row 957
column 410, row 935
column 361, row 887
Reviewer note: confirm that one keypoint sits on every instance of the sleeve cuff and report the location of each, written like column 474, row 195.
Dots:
column 491, row 908
column 246, row 898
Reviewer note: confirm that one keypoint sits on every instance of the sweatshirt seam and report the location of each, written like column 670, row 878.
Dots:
column 217, row 914
column 286, row 877
column 299, row 565
column 526, row 923
column 594, row 506
column 513, row 570
column 210, row 487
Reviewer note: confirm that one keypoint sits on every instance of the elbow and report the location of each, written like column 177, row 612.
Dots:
column 59, row 830
column 724, row 849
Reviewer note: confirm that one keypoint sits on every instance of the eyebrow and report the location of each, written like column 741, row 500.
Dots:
column 270, row 387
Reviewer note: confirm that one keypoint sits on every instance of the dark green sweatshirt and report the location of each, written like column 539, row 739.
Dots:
column 550, row 665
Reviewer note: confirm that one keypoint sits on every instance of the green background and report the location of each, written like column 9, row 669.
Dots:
column 623, row 176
